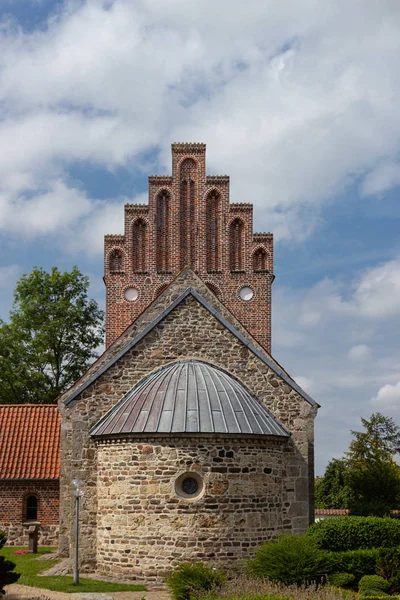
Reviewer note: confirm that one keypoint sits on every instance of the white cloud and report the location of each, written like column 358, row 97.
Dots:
column 388, row 397
column 383, row 177
column 291, row 98
column 378, row 291
column 359, row 352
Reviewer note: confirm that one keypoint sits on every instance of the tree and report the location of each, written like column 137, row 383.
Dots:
column 331, row 490
column 373, row 475
column 51, row 338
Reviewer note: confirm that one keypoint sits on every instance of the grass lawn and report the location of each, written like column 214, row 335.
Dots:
column 29, row 569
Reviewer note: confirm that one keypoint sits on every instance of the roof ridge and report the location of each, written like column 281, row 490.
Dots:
column 262, row 355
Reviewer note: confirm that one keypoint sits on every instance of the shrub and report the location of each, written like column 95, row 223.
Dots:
column 6, row 573
column 373, row 582
column 352, row 533
column 357, row 562
column 191, row 579
column 388, row 566
column 341, row 579
column 3, row 538
column 373, row 594
column 290, row 559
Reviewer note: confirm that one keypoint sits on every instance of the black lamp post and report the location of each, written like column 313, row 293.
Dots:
column 77, row 485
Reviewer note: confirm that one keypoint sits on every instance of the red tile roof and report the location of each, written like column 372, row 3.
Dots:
column 332, row 511
column 29, row 441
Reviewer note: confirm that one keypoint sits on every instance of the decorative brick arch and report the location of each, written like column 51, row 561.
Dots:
column 236, row 244
column 116, row 260
column 260, row 259
column 139, row 245
column 159, row 290
column 213, row 230
column 163, row 203
column 214, row 289
column 188, row 177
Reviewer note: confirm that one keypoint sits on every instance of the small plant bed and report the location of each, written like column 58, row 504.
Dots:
column 30, row 568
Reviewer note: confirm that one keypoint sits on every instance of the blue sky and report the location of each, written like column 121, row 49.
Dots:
column 297, row 102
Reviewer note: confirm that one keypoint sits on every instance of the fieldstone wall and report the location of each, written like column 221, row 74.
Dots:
column 190, row 332
column 145, row 527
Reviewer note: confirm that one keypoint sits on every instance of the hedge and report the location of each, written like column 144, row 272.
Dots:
column 356, row 562
column 352, row 533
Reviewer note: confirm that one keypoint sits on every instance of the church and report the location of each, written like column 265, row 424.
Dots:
column 192, row 443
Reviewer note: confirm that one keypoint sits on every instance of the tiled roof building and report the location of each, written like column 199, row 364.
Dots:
column 29, row 471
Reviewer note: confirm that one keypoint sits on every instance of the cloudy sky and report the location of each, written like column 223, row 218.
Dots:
column 297, row 101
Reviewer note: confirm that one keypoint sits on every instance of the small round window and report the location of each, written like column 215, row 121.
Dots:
column 131, row 294
column 246, row 293
column 189, row 486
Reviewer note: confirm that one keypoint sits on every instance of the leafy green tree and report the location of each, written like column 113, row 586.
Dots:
column 51, row 338
column 373, row 475
column 331, row 490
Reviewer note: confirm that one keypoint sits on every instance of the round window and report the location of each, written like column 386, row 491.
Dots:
column 131, row 294
column 246, row 293
column 189, row 486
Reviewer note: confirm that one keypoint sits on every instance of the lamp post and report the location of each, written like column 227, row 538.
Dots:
column 77, row 484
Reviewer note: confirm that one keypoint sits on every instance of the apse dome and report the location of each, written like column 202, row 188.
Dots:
column 189, row 396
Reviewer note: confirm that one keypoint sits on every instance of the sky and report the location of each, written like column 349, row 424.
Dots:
column 297, row 101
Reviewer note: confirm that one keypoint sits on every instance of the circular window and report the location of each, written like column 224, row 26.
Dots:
column 246, row 293
column 131, row 294
column 189, row 486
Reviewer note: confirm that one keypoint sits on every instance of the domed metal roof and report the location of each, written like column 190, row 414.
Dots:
column 189, row 397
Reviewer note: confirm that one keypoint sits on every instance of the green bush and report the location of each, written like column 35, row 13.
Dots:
column 373, row 594
column 3, row 538
column 353, row 533
column 373, row 582
column 6, row 573
column 341, row 579
column 191, row 579
column 357, row 562
column 388, row 566
column 290, row 559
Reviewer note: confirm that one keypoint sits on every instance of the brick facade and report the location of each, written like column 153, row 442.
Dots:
column 189, row 221
column 13, row 510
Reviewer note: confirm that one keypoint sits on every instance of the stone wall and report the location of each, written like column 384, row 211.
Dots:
column 145, row 526
column 189, row 332
column 13, row 495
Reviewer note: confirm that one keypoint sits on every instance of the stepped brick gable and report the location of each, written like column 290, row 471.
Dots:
column 189, row 221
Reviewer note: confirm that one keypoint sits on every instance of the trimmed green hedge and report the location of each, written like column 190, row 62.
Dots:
column 353, row 533
column 373, row 582
column 356, row 562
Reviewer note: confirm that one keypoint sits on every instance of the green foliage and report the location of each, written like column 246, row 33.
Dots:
column 373, row 582
column 189, row 580
column 388, row 566
column 375, row 487
column 341, row 579
column 373, row 594
column 6, row 573
column 372, row 475
column 290, row 559
column 353, row 533
column 51, row 338
column 331, row 490
column 3, row 538
column 381, row 436
column 357, row 562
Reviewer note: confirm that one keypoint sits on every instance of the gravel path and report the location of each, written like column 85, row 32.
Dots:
column 23, row 592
